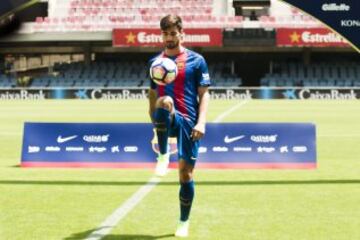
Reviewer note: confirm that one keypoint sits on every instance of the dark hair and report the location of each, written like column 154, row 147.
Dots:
column 171, row 21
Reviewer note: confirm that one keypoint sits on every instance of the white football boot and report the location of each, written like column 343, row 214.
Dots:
column 162, row 165
column 182, row 229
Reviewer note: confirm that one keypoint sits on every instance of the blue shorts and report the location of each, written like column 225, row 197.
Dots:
column 181, row 128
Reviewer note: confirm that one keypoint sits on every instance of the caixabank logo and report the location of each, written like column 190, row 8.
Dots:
column 321, row 94
column 340, row 16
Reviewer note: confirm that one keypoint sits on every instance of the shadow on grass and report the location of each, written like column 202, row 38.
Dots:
column 83, row 235
column 205, row 183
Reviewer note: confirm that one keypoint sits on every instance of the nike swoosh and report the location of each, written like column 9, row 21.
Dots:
column 61, row 139
column 233, row 139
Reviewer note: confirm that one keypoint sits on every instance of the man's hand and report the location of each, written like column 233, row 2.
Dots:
column 198, row 131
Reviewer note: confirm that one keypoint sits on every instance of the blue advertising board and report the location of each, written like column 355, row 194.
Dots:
column 225, row 145
column 216, row 93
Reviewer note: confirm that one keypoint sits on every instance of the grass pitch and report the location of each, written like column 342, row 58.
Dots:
column 229, row 204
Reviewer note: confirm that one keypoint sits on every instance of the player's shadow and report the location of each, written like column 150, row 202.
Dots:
column 83, row 235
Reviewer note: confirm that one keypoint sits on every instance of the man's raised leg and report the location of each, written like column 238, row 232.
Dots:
column 162, row 120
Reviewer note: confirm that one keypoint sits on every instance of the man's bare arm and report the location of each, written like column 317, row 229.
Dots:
column 152, row 102
column 199, row 129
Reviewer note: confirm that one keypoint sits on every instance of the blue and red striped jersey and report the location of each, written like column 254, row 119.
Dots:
column 192, row 73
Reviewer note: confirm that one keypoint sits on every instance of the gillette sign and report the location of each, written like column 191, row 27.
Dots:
column 335, row 7
column 226, row 145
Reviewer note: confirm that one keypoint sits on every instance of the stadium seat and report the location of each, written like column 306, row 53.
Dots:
column 317, row 74
column 84, row 15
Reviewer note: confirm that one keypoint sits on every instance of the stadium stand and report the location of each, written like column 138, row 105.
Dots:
column 284, row 15
column 105, row 15
column 88, row 15
column 222, row 75
column 7, row 81
column 340, row 74
column 102, row 16
column 120, row 74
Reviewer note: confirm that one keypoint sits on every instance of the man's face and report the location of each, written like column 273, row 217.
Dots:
column 171, row 37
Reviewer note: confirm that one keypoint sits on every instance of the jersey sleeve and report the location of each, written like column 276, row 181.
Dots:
column 203, row 73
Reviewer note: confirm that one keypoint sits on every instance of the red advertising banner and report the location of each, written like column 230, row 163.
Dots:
column 152, row 37
column 314, row 37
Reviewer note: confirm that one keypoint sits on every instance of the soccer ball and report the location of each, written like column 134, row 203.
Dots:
column 163, row 71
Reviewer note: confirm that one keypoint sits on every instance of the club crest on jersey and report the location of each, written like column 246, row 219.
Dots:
column 180, row 65
column 172, row 144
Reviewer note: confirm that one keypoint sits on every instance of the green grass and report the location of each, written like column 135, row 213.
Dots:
column 229, row 204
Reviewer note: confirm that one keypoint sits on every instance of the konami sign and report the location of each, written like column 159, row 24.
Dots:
column 152, row 37
column 316, row 37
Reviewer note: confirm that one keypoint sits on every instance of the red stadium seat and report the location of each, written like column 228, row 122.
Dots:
column 103, row 15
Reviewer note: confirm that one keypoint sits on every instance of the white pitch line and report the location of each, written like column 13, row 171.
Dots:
column 224, row 114
column 111, row 221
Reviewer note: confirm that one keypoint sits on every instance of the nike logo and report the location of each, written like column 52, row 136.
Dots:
column 61, row 139
column 233, row 139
